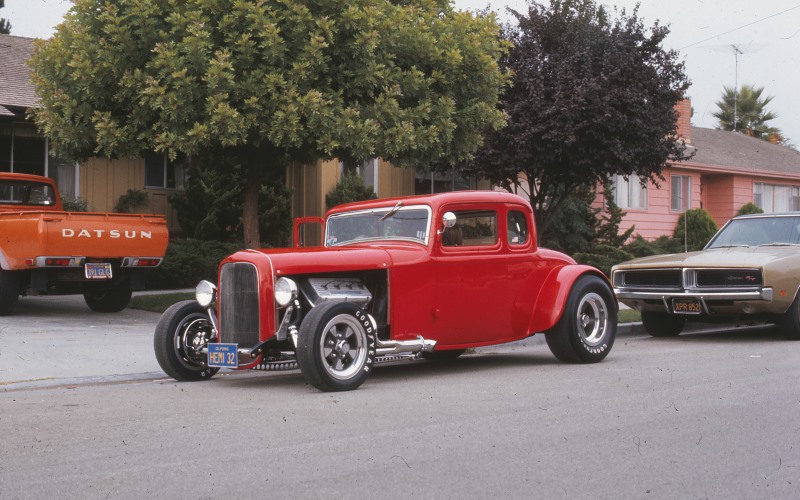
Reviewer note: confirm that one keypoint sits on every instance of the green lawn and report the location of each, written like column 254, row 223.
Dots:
column 629, row 316
column 159, row 302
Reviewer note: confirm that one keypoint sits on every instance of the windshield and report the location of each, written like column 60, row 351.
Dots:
column 758, row 231
column 390, row 223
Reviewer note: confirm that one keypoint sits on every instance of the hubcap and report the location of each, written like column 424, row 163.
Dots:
column 193, row 335
column 343, row 347
column 592, row 319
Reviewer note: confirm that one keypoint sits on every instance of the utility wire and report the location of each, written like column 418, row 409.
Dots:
column 740, row 27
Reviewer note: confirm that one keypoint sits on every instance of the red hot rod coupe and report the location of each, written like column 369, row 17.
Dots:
column 426, row 275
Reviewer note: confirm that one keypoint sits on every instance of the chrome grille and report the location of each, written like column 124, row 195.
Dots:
column 238, row 304
column 651, row 279
column 728, row 278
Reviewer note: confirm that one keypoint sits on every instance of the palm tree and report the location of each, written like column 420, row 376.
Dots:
column 5, row 26
column 750, row 112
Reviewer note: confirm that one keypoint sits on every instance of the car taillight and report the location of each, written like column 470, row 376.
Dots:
column 141, row 262
column 62, row 262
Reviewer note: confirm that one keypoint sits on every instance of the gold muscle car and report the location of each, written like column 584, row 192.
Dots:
column 749, row 271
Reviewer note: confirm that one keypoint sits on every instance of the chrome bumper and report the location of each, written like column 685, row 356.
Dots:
column 763, row 295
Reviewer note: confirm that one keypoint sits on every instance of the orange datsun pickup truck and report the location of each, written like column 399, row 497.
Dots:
column 45, row 250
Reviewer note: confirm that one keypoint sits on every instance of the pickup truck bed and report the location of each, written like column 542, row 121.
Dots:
column 45, row 250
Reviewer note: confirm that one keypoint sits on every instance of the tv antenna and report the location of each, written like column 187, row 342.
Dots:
column 736, row 52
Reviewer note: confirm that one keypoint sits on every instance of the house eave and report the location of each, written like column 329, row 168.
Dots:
column 722, row 170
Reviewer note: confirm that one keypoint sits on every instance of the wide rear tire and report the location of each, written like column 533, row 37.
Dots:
column 9, row 291
column 659, row 324
column 588, row 325
column 336, row 346
column 182, row 331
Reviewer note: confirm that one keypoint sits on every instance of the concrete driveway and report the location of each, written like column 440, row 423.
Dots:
column 58, row 338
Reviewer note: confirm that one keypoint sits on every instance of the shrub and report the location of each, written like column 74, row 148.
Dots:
column 749, row 208
column 640, row 247
column 75, row 204
column 210, row 208
column 188, row 261
column 349, row 189
column 603, row 257
column 699, row 229
column 131, row 202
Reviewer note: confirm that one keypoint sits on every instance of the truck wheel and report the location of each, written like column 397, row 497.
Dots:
column 588, row 325
column 9, row 291
column 659, row 324
column 336, row 346
column 107, row 300
column 181, row 332
column 789, row 323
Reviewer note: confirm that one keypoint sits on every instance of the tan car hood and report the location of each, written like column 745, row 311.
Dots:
column 718, row 257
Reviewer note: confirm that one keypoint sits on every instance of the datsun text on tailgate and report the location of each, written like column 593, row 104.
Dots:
column 427, row 276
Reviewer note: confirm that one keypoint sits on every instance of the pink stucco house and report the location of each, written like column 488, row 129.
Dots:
column 728, row 170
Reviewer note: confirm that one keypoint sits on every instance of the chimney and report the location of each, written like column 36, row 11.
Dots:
column 684, row 110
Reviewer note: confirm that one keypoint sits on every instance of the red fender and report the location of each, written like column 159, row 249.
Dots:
column 554, row 292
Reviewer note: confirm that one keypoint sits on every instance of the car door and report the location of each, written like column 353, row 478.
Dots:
column 471, row 265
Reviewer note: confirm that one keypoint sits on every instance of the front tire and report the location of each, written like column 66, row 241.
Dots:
column 107, row 300
column 9, row 291
column 588, row 325
column 659, row 324
column 790, row 321
column 182, row 331
column 336, row 346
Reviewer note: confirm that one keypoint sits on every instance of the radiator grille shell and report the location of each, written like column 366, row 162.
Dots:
column 239, row 304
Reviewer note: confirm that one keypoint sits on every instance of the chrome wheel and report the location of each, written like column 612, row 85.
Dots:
column 592, row 319
column 193, row 334
column 343, row 347
column 183, row 330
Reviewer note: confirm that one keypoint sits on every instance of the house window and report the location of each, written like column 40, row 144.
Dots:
column 367, row 171
column 776, row 198
column 162, row 173
column 681, row 196
column 629, row 193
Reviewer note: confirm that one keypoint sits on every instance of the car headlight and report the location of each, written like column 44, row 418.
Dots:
column 205, row 293
column 285, row 291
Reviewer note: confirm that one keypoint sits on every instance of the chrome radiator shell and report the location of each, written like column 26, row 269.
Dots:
column 239, row 304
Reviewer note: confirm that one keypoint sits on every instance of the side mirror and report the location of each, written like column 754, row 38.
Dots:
column 449, row 220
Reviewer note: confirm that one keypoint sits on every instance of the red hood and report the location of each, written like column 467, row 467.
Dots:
column 286, row 261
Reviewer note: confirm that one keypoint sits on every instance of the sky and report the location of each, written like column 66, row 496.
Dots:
column 704, row 32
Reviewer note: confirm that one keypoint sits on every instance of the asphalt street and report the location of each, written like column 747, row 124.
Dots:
column 85, row 413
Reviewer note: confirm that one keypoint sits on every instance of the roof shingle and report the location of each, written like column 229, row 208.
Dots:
column 723, row 148
column 16, row 90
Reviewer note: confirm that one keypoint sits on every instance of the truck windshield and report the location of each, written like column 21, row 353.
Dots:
column 390, row 223
column 757, row 231
column 26, row 193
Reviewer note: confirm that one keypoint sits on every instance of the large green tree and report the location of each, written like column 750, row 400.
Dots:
column 592, row 97
column 412, row 81
column 749, row 107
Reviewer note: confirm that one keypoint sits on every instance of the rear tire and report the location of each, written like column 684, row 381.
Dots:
column 659, row 324
column 9, row 291
column 588, row 325
column 183, row 329
column 450, row 355
column 107, row 300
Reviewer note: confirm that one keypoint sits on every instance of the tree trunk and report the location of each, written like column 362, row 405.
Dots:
column 252, row 234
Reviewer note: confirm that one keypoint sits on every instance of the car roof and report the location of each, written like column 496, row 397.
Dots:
column 777, row 214
column 437, row 200
column 9, row 176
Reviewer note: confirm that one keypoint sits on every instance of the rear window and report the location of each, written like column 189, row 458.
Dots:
column 26, row 193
